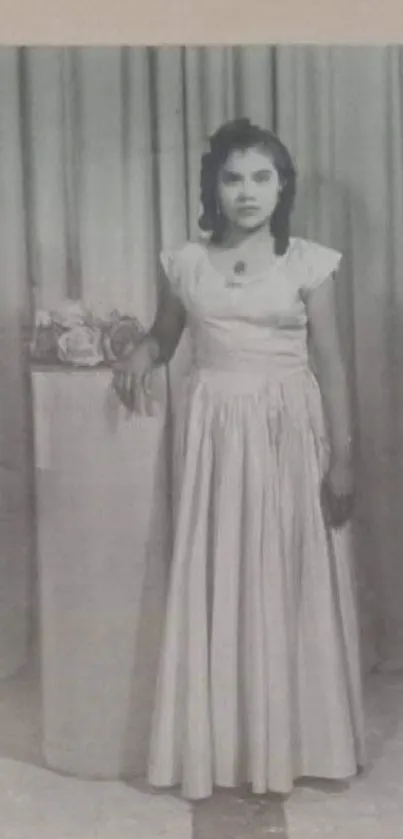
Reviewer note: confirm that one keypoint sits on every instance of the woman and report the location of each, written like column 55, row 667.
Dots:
column 259, row 677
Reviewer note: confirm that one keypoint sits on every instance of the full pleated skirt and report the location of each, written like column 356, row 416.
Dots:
column 260, row 676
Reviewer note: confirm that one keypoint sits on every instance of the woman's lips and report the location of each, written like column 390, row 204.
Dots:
column 248, row 210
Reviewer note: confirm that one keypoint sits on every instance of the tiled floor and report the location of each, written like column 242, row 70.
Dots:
column 371, row 807
column 35, row 802
column 229, row 815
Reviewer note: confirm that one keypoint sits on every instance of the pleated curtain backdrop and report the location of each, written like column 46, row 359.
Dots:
column 340, row 109
column 113, row 139
column 16, row 555
column 99, row 168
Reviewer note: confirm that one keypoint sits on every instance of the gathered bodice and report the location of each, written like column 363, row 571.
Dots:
column 249, row 323
column 240, row 345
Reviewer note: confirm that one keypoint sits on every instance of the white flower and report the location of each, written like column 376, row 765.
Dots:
column 70, row 313
column 101, row 311
column 42, row 318
column 81, row 346
column 120, row 337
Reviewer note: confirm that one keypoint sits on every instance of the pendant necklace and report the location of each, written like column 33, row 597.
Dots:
column 238, row 271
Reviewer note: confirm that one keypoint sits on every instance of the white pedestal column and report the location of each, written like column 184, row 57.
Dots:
column 103, row 546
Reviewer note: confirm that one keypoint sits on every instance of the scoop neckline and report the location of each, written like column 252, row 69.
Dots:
column 246, row 277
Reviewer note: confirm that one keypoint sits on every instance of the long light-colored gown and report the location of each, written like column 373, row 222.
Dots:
column 259, row 678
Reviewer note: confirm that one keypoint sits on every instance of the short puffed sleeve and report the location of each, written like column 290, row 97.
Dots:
column 169, row 263
column 176, row 264
column 317, row 263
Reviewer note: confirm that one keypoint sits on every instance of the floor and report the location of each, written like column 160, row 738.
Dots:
column 371, row 806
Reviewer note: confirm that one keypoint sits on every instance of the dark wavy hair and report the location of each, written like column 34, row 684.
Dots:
column 240, row 135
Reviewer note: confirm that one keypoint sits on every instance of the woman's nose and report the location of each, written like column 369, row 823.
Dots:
column 246, row 191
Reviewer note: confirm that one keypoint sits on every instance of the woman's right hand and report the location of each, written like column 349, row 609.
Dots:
column 130, row 376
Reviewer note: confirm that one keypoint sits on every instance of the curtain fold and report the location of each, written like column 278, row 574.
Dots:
column 100, row 165
column 15, row 469
column 339, row 109
column 113, row 141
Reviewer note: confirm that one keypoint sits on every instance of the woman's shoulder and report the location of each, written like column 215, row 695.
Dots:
column 183, row 251
column 311, row 254
column 312, row 262
column 178, row 262
column 308, row 249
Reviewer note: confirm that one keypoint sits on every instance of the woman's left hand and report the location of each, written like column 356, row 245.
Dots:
column 338, row 494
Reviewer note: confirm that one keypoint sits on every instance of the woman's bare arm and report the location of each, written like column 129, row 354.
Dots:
column 170, row 321
column 157, row 348
column 331, row 374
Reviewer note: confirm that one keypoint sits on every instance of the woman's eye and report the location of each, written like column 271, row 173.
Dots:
column 230, row 178
column 263, row 177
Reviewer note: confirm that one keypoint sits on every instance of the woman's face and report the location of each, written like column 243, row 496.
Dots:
column 248, row 188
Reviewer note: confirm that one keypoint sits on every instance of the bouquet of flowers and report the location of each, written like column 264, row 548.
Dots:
column 73, row 335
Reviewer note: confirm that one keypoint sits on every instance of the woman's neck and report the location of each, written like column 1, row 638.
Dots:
column 237, row 238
